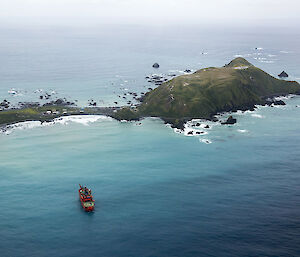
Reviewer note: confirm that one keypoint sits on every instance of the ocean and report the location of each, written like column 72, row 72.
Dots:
column 231, row 191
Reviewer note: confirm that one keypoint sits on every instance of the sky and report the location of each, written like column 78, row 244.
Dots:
column 89, row 12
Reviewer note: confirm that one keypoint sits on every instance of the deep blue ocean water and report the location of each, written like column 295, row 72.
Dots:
column 158, row 193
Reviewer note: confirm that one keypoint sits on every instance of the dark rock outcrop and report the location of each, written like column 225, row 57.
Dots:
column 5, row 104
column 29, row 104
column 283, row 75
column 229, row 121
column 155, row 65
column 59, row 101
column 279, row 102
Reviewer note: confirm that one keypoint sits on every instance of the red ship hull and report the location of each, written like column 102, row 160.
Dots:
column 86, row 199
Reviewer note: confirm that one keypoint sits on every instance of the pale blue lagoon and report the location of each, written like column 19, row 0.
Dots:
column 157, row 192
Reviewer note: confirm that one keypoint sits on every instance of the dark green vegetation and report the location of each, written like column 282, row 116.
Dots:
column 126, row 113
column 237, row 85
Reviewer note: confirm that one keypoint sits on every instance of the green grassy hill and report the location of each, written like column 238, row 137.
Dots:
column 237, row 85
column 212, row 90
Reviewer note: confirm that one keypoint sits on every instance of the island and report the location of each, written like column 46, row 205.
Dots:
column 238, row 85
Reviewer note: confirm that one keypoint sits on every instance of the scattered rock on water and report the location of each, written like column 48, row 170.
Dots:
column 5, row 104
column 229, row 121
column 59, row 101
column 279, row 102
column 272, row 102
column 29, row 104
column 283, row 75
column 214, row 119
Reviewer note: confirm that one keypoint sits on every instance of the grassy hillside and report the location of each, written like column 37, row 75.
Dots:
column 237, row 85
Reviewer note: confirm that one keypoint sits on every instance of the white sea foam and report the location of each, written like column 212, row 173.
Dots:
column 205, row 141
column 80, row 119
column 12, row 91
column 257, row 115
column 191, row 130
column 203, row 123
column 242, row 130
column 261, row 107
column 239, row 112
column 15, row 92
column 178, row 131
column 287, row 97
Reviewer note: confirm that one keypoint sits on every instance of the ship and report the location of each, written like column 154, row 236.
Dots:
column 86, row 198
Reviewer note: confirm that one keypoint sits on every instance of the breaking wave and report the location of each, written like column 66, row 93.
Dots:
column 255, row 115
column 242, row 130
column 80, row 119
column 205, row 141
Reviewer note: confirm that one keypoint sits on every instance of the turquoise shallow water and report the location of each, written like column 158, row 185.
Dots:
column 158, row 193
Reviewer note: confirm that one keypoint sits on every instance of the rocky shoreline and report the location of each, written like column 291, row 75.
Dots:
column 268, row 101
column 56, row 109
column 171, row 99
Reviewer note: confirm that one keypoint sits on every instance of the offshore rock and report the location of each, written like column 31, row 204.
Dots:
column 283, row 75
column 229, row 121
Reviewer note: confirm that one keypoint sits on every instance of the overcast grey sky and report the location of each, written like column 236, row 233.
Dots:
column 87, row 12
